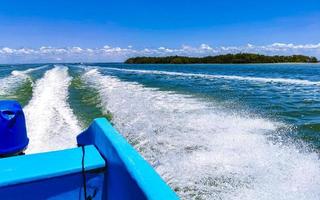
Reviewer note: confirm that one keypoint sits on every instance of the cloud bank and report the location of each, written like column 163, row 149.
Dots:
column 118, row 54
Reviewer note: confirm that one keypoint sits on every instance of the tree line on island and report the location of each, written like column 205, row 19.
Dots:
column 240, row 58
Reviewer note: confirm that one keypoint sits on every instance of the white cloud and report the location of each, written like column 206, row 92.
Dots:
column 75, row 50
column 205, row 47
column 108, row 53
column 7, row 50
column 250, row 46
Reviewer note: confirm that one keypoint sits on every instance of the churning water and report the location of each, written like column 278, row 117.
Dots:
column 211, row 131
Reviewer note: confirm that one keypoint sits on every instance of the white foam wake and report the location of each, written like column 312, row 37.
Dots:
column 51, row 123
column 205, row 152
column 229, row 77
column 17, row 72
column 9, row 83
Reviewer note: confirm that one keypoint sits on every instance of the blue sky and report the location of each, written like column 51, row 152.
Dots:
column 138, row 25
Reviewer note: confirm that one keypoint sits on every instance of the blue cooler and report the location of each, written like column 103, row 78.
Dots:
column 13, row 133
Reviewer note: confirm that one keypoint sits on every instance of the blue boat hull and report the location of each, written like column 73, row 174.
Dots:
column 106, row 168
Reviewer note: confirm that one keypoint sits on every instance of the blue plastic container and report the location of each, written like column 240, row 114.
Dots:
column 13, row 133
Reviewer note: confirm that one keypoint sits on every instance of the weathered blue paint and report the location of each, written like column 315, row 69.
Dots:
column 128, row 175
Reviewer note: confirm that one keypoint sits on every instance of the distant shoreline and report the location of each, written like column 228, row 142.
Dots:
column 92, row 63
column 241, row 58
column 284, row 63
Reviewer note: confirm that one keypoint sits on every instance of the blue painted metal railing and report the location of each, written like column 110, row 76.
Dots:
column 128, row 175
column 114, row 170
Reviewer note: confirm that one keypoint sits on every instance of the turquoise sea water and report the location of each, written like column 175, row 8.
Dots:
column 211, row 131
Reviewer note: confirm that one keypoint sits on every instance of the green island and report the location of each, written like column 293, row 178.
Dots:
column 240, row 58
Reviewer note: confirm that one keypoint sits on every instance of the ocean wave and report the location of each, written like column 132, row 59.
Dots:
column 15, row 79
column 205, row 152
column 17, row 72
column 228, row 77
column 51, row 123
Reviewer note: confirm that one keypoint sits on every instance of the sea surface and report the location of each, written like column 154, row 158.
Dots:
column 211, row 131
